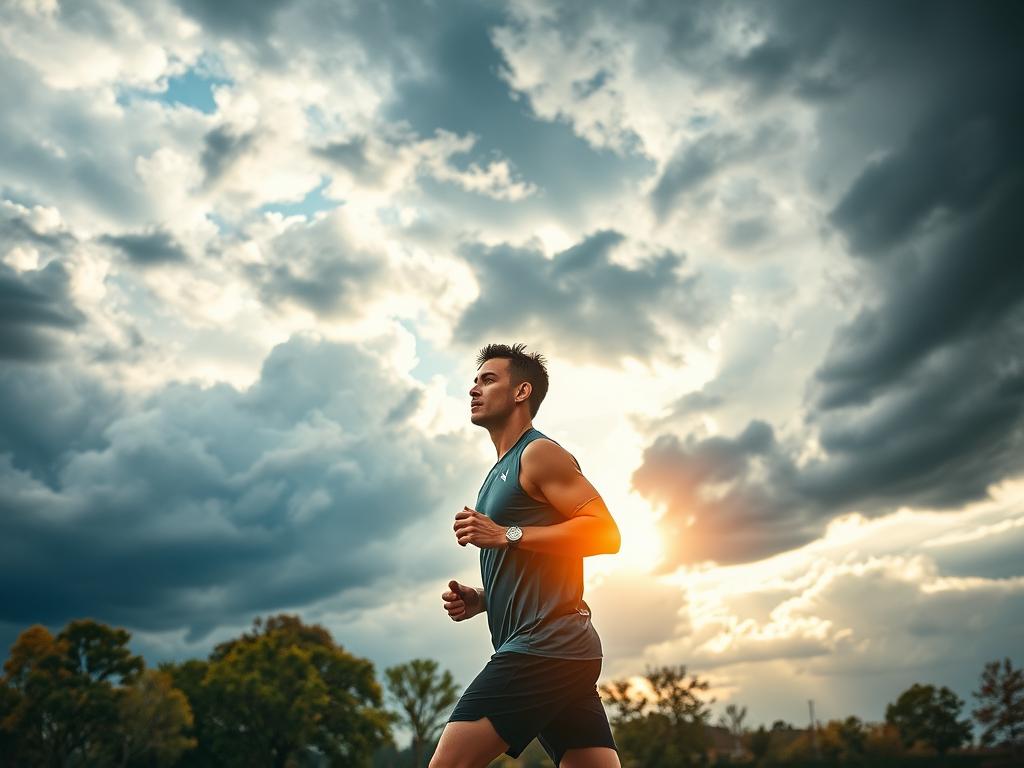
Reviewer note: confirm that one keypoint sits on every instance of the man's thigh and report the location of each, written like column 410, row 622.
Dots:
column 468, row 744
column 580, row 735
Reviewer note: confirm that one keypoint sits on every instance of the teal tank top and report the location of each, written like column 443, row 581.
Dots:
column 534, row 600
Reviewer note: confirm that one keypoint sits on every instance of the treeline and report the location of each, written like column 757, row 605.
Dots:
column 664, row 721
column 285, row 694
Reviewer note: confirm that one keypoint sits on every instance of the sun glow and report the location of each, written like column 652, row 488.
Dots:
column 641, row 549
column 641, row 544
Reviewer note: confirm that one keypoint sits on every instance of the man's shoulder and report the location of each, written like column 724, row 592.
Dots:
column 543, row 448
column 543, row 455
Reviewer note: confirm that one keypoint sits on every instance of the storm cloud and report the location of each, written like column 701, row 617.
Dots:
column 315, row 267
column 581, row 301
column 919, row 399
column 36, row 310
column 148, row 249
column 297, row 484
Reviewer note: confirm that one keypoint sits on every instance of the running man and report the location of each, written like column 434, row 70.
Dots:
column 536, row 518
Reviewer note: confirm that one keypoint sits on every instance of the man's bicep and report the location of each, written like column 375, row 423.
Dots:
column 557, row 476
column 570, row 493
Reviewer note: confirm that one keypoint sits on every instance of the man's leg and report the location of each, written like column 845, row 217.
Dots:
column 580, row 736
column 468, row 744
column 590, row 757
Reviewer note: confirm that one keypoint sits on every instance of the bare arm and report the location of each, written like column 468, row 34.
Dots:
column 591, row 531
column 588, row 528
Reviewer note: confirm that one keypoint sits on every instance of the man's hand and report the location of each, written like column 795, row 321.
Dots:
column 461, row 602
column 472, row 527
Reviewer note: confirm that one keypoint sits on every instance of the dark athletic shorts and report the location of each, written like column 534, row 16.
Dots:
column 525, row 696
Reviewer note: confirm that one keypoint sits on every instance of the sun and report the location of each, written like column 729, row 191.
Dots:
column 642, row 548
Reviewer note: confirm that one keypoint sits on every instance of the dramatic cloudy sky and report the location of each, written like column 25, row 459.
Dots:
column 248, row 252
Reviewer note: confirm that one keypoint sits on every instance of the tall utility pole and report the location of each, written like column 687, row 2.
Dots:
column 814, row 731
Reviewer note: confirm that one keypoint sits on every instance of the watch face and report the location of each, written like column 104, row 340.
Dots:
column 514, row 533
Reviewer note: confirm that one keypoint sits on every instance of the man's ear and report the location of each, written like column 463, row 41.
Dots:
column 524, row 387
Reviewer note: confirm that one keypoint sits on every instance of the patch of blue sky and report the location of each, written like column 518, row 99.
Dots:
column 193, row 88
column 433, row 362
column 313, row 203
column 224, row 227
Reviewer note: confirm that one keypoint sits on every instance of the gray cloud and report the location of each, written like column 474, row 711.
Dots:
column 961, row 286
column 351, row 155
column 15, row 229
column 939, row 440
column 695, row 164
column 937, row 171
column 314, row 266
column 35, row 306
column 221, row 149
column 730, row 500
column 921, row 395
column 920, row 398
column 992, row 556
column 940, row 436
column 217, row 503
column 148, row 249
column 817, row 53
column 235, row 17
column 448, row 75
column 746, row 232
column 56, row 147
column 580, row 301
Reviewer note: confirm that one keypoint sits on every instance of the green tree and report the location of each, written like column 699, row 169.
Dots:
column 661, row 721
column 64, row 706
column 423, row 696
column 283, row 689
column 188, row 677
column 154, row 716
column 926, row 714
column 1001, row 705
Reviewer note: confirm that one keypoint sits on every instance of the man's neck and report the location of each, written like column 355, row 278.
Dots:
column 505, row 437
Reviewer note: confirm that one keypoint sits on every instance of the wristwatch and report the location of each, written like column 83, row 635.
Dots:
column 512, row 535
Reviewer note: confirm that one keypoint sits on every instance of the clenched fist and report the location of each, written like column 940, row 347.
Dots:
column 472, row 527
column 461, row 602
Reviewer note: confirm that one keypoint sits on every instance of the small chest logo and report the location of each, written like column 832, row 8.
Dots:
column 503, row 475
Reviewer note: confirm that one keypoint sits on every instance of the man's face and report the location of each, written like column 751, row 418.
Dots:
column 491, row 397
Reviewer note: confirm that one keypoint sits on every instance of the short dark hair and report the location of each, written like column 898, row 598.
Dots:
column 524, row 366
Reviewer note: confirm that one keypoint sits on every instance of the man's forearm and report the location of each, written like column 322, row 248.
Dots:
column 579, row 536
